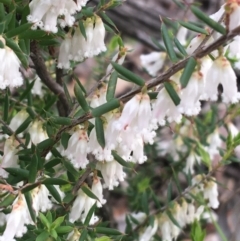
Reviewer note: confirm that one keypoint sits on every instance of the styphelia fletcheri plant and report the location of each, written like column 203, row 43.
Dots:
column 61, row 153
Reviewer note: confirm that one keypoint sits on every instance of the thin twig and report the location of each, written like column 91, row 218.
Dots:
column 46, row 78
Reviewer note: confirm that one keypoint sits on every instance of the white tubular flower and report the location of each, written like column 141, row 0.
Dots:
column 215, row 142
column 211, row 193
column 2, row 219
column 221, row 72
column 81, row 3
column 41, row 202
column 37, row 87
column 16, row 220
column 85, row 48
column 45, row 13
column 76, row 151
column 234, row 49
column 233, row 9
column 196, row 41
column 166, row 225
column 37, row 133
column 76, row 53
column 133, row 112
column 153, row 62
column 18, row 119
column 217, row 16
column 165, row 108
column 232, row 129
column 112, row 173
column 97, row 189
column 81, row 207
column 98, row 45
column 10, row 75
column 64, row 54
column 182, row 35
column 10, row 158
column 192, row 213
column 190, row 162
column 190, row 104
column 149, row 232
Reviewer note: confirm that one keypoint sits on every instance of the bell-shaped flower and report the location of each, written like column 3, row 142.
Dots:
column 190, row 104
column 211, row 193
column 10, row 75
column 37, row 133
column 76, row 151
column 97, row 189
column 190, row 162
column 164, row 108
column 221, row 72
column 153, row 62
column 18, row 119
column 112, row 173
column 64, row 53
column 16, row 220
column 149, row 232
column 10, row 158
column 233, row 10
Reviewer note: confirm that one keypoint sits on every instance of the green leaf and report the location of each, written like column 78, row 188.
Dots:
column 108, row 20
column 54, row 181
column 89, row 215
column 58, row 120
column 169, row 192
column 82, row 29
column 168, row 43
column 57, row 222
column 100, row 131
column 210, row 22
column 17, row 172
column 45, row 144
column 194, row 27
column 64, row 229
column 120, row 160
column 33, row 168
column 23, row 126
column 180, row 47
column 197, row 234
column 54, row 234
column 108, row 231
column 69, row 99
column 42, row 236
column 54, row 162
column 8, row 200
column 89, row 193
column 44, row 221
column 18, row 30
column 81, row 98
column 26, row 91
column 172, row 93
column 103, row 238
column 144, row 203
column 6, row 107
column 128, row 74
column 70, row 168
column 187, row 73
column 112, row 86
column 28, row 198
column 29, row 187
column 64, row 139
column 204, row 156
column 105, row 108
column 83, row 235
column 54, row 193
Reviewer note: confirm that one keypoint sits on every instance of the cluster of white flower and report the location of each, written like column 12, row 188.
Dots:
column 83, row 202
column 77, row 47
column 44, row 13
column 9, row 61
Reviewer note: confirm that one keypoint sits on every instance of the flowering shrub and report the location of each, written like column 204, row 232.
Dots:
column 63, row 152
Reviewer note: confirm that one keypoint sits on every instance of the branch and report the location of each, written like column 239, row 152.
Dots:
column 47, row 79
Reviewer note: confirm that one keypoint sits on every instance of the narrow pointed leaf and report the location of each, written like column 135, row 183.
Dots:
column 187, row 73
column 18, row 30
column 130, row 76
column 108, row 231
column 54, row 181
column 193, row 27
column 42, row 236
column 82, row 29
column 23, row 126
column 44, row 220
column 33, row 168
column 168, row 43
column 89, row 193
column 81, row 98
column 30, row 187
column 17, row 172
column 45, row 144
column 105, row 108
column 89, row 215
column 58, row 120
column 180, row 47
column 54, row 193
column 112, row 86
column 83, row 235
column 29, row 202
column 100, row 131
column 64, row 229
column 57, row 222
column 120, row 160
column 64, row 139
column 174, row 221
column 8, row 200
column 210, row 22
column 172, row 93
